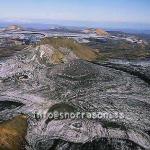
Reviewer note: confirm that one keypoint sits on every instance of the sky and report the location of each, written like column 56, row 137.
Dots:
column 90, row 11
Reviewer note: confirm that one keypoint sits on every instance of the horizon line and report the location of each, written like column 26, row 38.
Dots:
column 78, row 23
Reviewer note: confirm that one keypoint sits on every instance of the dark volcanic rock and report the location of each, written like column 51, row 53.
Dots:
column 140, row 68
column 76, row 86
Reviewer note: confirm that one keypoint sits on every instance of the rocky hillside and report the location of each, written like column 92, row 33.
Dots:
column 58, row 50
column 109, row 100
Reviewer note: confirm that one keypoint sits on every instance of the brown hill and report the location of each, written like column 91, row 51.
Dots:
column 101, row 32
column 97, row 31
column 57, row 50
column 12, row 133
column 13, row 27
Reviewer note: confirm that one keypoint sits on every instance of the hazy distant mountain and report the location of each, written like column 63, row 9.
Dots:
column 13, row 28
